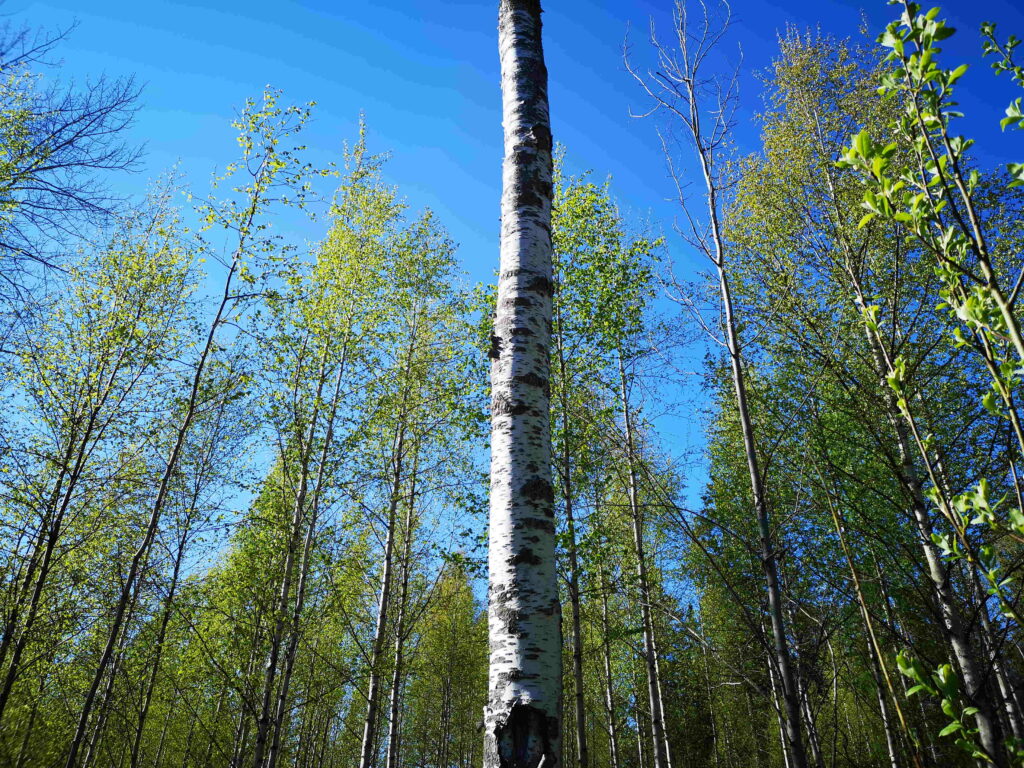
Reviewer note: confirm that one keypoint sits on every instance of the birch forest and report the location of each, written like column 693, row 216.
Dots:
column 285, row 484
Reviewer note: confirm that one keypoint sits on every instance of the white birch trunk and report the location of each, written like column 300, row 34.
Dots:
column 522, row 720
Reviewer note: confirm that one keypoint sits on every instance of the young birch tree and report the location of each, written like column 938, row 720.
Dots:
column 703, row 107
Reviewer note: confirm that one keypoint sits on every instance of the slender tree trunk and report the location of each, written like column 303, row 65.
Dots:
column 23, row 752
column 397, row 676
column 163, row 734
column 759, row 750
column 41, row 559
column 660, row 746
column 879, row 669
column 154, row 671
column 786, row 759
column 909, row 478
column 369, row 742
column 638, row 717
column 712, row 721
column 211, row 733
column 1011, row 719
column 142, row 553
column 891, row 739
column 810, row 727
column 582, row 758
column 783, row 660
column 108, row 690
column 284, row 613
column 241, row 735
column 609, row 688
column 952, row 622
column 307, row 548
column 522, row 720
column 927, row 754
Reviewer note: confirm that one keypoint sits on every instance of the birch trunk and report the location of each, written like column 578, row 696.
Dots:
column 910, row 479
column 141, row 554
column 609, row 690
column 565, row 470
column 952, row 621
column 879, row 670
column 304, row 565
column 284, row 600
column 661, row 754
column 367, row 751
column 394, row 715
column 783, row 659
column 165, row 619
column 522, row 720
column 778, row 716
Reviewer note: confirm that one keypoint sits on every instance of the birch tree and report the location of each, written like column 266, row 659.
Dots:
column 522, row 720
column 703, row 106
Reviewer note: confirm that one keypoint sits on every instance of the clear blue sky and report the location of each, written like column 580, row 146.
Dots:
column 426, row 76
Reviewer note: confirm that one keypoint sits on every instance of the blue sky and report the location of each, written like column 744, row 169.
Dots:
column 426, row 76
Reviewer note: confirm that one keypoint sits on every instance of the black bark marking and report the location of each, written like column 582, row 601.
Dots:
column 531, row 379
column 509, row 618
column 502, row 405
column 539, row 285
column 525, row 556
column 524, row 738
column 538, row 489
column 541, row 136
column 543, row 525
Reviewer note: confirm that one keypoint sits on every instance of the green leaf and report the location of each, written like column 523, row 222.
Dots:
column 951, row 728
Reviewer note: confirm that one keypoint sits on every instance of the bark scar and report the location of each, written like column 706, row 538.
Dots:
column 524, row 738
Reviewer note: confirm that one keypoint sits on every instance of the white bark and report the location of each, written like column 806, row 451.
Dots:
column 522, row 720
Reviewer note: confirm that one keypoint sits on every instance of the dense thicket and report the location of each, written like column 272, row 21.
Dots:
column 242, row 485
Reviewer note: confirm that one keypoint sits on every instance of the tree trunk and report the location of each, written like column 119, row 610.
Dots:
column 366, row 753
column 783, row 660
column 154, row 671
column 609, row 688
column 660, row 747
column 307, row 547
column 565, row 470
column 42, row 553
column 1011, row 718
column 522, row 720
column 952, row 622
column 394, row 715
column 105, row 700
column 908, row 476
column 241, row 735
column 23, row 752
column 142, row 553
column 778, row 715
column 712, row 721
